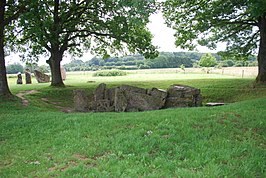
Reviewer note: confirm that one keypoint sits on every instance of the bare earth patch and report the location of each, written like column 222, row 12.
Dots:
column 25, row 102
column 22, row 94
column 56, row 105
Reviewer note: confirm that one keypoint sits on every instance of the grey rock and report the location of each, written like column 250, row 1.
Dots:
column 183, row 96
column 41, row 77
column 110, row 95
column 158, row 95
column 141, row 102
column 173, row 102
column 120, row 101
column 102, row 106
column 81, row 100
column 63, row 73
column 134, row 89
column 19, row 80
column 28, row 77
column 127, row 98
column 100, row 92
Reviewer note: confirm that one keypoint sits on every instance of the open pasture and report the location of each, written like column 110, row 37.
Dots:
column 39, row 140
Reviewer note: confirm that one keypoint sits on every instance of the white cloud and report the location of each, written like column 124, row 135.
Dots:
column 164, row 36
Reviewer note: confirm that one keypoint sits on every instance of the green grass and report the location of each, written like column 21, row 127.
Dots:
column 226, row 141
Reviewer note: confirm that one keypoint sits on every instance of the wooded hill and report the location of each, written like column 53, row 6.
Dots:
column 164, row 60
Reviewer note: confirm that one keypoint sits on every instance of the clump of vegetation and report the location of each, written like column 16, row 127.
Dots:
column 109, row 73
column 207, row 60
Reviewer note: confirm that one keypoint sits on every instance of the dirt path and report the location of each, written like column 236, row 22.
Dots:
column 25, row 102
column 56, row 105
column 22, row 94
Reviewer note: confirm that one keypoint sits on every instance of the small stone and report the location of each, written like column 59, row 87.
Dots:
column 19, row 80
column 214, row 104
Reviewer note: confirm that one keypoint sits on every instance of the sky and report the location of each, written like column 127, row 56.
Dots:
column 163, row 38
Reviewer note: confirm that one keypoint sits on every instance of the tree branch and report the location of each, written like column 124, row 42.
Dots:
column 15, row 15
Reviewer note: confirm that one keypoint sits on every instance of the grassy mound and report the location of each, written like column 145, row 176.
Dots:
column 225, row 141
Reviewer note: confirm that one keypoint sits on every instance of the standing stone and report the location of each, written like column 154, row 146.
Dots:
column 111, row 95
column 28, row 76
column 80, row 100
column 41, row 77
column 120, row 101
column 100, row 92
column 63, row 73
column 19, row 80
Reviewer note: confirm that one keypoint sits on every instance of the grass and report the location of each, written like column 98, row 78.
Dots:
column 226, row 141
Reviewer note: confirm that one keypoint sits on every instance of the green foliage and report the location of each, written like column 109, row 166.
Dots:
column 103, row 27
column 207, row 60
column 14, row 68
column 109, row 73
column 43, row 68
column 144, row 66
column 216, row 21
column 182, row 67
column 228, row 63
column 164, row 60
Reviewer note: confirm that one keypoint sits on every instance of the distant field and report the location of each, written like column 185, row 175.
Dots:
column 233, row 71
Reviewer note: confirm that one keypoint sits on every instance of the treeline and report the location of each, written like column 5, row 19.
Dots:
column 164, row 60
column 133, row 62
column 17, row 67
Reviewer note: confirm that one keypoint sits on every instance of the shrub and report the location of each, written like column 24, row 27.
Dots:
column 144, row 66
column 207, row 60
column 109, row 73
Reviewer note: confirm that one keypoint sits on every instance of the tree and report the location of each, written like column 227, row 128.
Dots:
column 240, row 23
column 182, row 67
column 58, row 26
column 9, row 11
column 207, row 60
column 14, row 68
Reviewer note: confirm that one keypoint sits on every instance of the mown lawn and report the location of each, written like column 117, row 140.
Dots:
column 227, row 141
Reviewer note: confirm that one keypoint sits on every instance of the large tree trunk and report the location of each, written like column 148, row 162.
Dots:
column 54, row 63
column 4, row 89
column 261, row 78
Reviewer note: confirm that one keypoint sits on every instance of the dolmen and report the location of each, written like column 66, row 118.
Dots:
column 127, row 98
column 41, row 77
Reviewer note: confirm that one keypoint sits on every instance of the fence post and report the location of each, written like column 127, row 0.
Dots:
column 243, row 71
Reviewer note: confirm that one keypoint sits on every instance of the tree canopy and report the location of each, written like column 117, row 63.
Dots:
column 103, row 27
column 10, row 10
column 241, row 24
column 207, row 60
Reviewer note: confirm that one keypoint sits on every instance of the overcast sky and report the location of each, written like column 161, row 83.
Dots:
column 163, row 38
